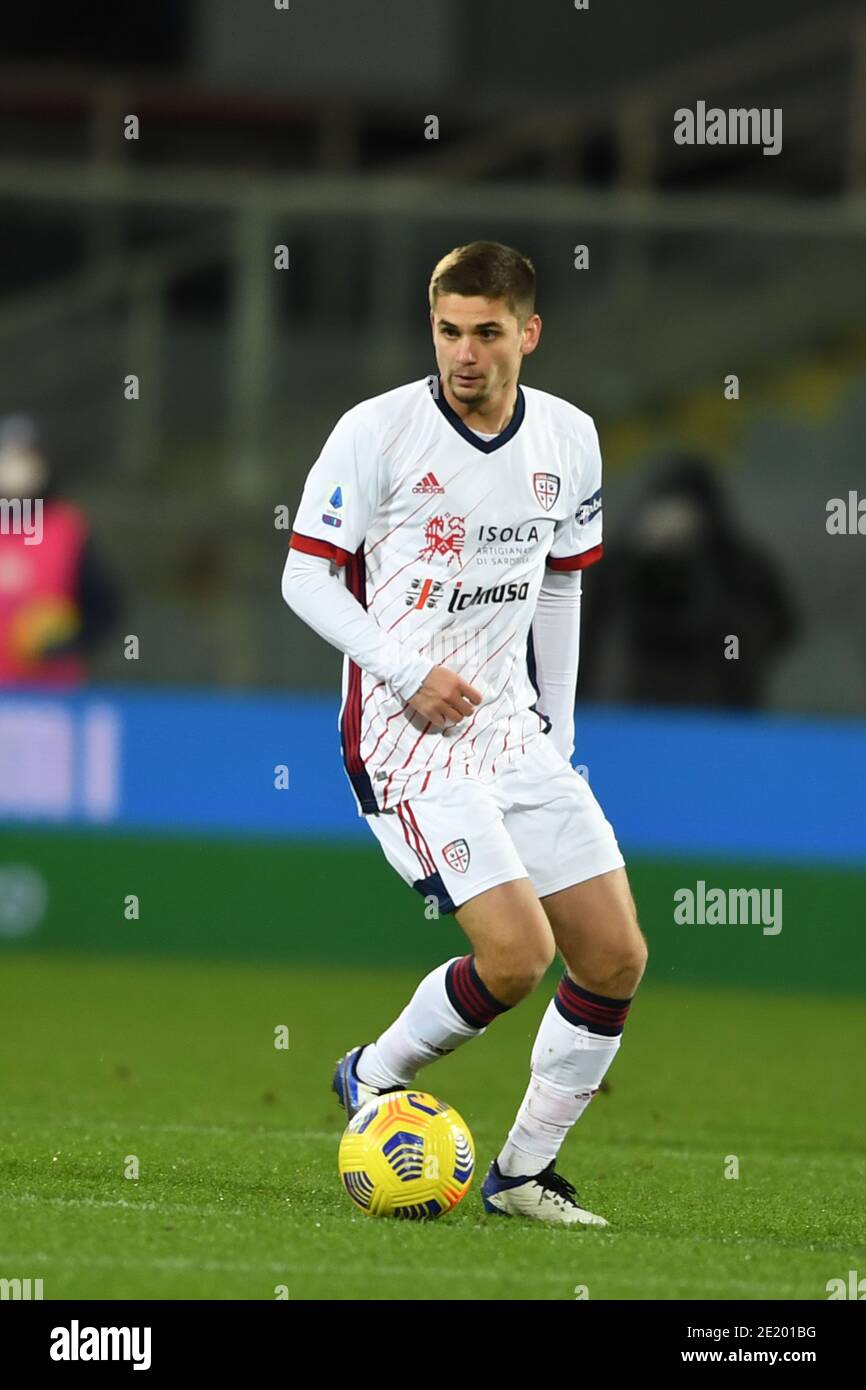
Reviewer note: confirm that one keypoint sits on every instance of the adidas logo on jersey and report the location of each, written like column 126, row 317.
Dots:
column 429, row 483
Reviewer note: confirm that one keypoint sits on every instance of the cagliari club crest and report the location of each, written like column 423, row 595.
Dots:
column 546, row 487
column 456, row 855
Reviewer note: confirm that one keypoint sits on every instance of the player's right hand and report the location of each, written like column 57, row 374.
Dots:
column 445, row 698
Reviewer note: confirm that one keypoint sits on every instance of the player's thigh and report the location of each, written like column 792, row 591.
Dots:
column 596, row 930
column 453, row 848
column 576, row 867
column 511, row 938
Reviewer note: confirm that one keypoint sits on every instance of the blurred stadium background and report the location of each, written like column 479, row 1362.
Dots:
column 155, row 256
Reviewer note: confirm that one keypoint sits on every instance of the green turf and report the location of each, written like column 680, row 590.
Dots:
column 174, row 1062
column 290, row 900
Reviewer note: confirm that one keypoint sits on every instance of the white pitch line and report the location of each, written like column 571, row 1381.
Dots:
column 29, row 1260
column 237, row 1131
column 765, row 1155
column 733, row 1242
column 32, row 1198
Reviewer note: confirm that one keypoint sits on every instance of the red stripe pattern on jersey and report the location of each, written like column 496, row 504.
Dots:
column 415, row 840
column 350, row 724
column 310, row 545
column 576, row 562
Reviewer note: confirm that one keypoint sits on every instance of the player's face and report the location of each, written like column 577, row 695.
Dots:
column 479, row 345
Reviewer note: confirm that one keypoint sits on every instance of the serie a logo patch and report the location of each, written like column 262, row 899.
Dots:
column 335, row 502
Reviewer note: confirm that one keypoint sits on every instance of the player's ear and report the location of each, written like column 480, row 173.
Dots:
column 531, row 334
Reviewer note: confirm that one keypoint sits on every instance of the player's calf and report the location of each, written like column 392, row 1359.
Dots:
column 451, row 1006
column 456, row 1002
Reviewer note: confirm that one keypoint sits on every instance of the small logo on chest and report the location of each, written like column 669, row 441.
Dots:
column 429, row 483
column 546, row 489
column 424, row 593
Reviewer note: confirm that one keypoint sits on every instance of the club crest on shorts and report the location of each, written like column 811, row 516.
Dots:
column 546, row 487
column 456, row 856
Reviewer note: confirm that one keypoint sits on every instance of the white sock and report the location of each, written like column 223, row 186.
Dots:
column 568, row 1064
column 429, row 1027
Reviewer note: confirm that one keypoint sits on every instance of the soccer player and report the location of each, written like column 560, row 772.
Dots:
column 439, row 544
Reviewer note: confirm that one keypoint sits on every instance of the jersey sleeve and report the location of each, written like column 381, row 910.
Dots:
column 577, row 538
column 316, row 592
column 555, row 635
column 341, row 493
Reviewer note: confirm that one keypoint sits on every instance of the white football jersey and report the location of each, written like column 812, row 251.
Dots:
column 444, row 537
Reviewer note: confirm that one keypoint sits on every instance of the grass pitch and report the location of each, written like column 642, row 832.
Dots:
column 173, row 1065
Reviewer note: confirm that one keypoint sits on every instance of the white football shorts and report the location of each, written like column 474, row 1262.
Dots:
column 536, row 818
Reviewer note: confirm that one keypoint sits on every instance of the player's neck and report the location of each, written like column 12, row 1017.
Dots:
column 492, row 418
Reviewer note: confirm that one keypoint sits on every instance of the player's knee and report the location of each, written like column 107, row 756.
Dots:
column 627, row 971
column 514, row 978
column 643, row 947
column 617, row 971
column 632, row 955
column 636, row 960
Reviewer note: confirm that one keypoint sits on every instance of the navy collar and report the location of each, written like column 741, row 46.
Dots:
column 487, row 446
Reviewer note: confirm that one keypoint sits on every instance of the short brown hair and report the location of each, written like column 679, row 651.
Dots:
column 488, row 269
